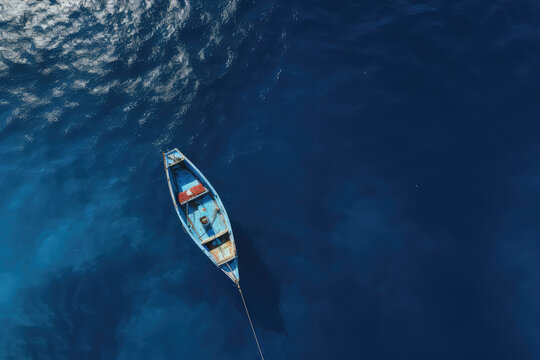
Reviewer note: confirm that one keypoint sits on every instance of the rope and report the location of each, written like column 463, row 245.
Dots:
column 249, row 318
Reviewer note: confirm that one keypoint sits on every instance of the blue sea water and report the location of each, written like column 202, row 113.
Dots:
column 378, row 160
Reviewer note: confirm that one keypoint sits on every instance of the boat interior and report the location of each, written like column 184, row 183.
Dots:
column 200, row 210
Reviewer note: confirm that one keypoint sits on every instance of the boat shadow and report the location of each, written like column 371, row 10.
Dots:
column 262, row 293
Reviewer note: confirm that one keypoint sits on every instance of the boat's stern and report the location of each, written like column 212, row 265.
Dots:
column 173, row 157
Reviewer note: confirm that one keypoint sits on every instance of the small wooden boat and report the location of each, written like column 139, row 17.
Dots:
column 201, row 212
column 204, row 218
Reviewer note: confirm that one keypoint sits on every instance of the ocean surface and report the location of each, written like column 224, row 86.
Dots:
column 379, row 161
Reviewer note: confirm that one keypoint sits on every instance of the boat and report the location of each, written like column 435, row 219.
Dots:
column 204, row 218
column 201, row 212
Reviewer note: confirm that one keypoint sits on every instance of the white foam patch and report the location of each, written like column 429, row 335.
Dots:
column 229, row 10
column 53, row 116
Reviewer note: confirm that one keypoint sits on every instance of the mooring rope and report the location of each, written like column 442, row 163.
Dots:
column 249, row 318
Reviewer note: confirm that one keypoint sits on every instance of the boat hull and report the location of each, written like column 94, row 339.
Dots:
column 201, row 212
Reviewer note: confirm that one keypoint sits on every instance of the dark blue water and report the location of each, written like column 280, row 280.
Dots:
column 378, row 160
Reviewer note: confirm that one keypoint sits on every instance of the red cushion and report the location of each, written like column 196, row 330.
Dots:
column 182, row 197
column 188, row 194
column 197, row 189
